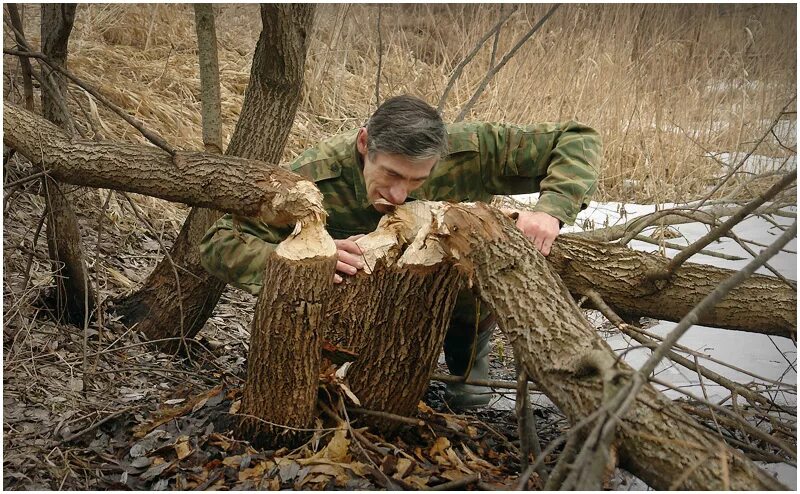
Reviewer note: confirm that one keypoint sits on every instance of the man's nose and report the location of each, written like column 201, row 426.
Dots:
column 398, row 194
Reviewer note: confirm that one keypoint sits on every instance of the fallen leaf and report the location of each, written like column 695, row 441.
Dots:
column 182, row 449
column 235, row 406
column 233, row 461
column 424, row 408
column 404, row 467
column 337, row 448
column 439, row 446
column 287, row 469
column 155, row 470
column 175, row 401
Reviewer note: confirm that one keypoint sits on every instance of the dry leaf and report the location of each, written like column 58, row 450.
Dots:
column 404, row 467
column 441, row 444
column 182, row 449
column 235, row 406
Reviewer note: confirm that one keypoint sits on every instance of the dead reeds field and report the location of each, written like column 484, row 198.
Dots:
column 674, row 90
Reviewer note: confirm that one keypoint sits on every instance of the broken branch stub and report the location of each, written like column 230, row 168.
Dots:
column 562, row 352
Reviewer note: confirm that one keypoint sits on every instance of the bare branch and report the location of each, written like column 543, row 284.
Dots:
column 747, row 156
column 468, row 58
column 16, row 21
column 150, row 135
column 725, row 227
column 494, row 70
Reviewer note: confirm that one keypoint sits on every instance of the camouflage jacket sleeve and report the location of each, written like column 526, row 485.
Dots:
column 235, row 250
column 561, row 161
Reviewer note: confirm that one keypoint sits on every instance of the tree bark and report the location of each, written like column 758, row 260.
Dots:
column 283, row 365
column 227, row 183
column 276, row 81
column 209, row 77
column 73, row 297
column 619, row 275
column 395, row 313
column 564, row 355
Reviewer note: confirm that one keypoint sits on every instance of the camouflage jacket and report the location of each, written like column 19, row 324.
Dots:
column 561, row 161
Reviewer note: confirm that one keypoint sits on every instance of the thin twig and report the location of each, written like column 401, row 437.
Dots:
column 458, row 484
column 468, row 58
column 97, row 424
column 747, row 156
column 487, row 383
column 150, row 135
column 27, row 179
column 388, row 416
column 717, row 232
column 380, row 59
column 16, row 21
column 494, row 70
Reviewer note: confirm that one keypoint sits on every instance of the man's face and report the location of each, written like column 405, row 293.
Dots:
column 391, row 177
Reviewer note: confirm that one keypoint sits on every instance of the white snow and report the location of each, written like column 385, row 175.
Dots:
column 770, row 358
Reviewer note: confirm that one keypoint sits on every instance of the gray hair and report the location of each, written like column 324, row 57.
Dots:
column 407, row 126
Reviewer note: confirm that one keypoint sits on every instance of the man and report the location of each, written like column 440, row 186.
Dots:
column 406, row 152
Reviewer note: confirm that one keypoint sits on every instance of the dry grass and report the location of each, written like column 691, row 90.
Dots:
column 644, row 76
column 663, row 84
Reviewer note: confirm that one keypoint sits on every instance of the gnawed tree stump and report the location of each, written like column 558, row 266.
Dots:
column 395, row 314
column 283, row 365
column 560, row 350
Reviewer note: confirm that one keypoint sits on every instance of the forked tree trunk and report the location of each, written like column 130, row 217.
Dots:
column 395, row 314
column 560, row 350
column 73, row 297
column 270, row 103
column 291, row 314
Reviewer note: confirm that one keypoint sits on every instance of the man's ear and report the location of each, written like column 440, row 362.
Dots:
column 361, row 141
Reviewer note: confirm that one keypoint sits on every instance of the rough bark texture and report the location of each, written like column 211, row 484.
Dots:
column 762, row 304
column 283, row 364
column 227, row 183
column 395, row 319
column 563, row 354
column 73, row 292
column 73, row 299
column 209, row 77
column 276, row 80
column 56, row 22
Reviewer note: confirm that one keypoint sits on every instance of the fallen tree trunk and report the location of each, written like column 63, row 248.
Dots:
column 226, row 183
column 762, row 304
column 558, row 348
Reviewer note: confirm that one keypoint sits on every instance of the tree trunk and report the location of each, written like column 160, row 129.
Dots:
column 618, row 274
column 283, row 365
column 73, row 295
column 564, row 355
column 276, row 80
column 395, row 314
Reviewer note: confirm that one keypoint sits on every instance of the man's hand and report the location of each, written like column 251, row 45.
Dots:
column 541, row 228
column 350, row 257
